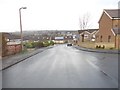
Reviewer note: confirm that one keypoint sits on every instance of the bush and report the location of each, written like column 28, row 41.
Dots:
column 51, row 43
column 103, row 47
column 48, row 43
column 38, row 44
column 97, row 46
column 100, row 47
column 28, row 45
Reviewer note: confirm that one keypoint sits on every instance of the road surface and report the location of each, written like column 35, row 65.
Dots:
column 58, row 67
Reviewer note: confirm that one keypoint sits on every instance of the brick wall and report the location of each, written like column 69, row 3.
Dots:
column 117, row 44
column 13, row 49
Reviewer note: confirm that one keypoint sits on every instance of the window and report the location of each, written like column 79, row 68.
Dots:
column 109, row 38
column 101, row 38
column 116, row 25
column 82, row 37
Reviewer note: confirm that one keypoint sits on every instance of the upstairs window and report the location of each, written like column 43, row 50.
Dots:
column 116, row 25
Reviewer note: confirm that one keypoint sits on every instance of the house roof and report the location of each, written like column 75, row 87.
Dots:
column 116, row 30
column 32, row 37
column 80, row 31
column 92, row 30
column 113, row 13
column 11, row 36
column 88, row 30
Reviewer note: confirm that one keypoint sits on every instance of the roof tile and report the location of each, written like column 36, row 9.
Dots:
column 113, row 13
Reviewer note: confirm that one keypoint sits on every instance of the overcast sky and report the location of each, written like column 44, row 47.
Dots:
column 51, row 14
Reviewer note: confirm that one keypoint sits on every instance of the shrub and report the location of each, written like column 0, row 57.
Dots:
column 39, row 44
column 34, row 44
column 97, row 46
column 100, row 47
column 103, row 47
column 48, row 43
column 51, row 43
column 28, row 45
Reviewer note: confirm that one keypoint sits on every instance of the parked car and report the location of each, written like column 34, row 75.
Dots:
column 69, row 44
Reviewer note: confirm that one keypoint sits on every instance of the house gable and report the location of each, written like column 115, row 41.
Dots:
column 111, row 13
column 102, row 16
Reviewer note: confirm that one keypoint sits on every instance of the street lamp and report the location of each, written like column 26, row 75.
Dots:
column 21, row 35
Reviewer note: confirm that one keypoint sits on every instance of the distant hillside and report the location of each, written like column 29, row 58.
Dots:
column 43, row 32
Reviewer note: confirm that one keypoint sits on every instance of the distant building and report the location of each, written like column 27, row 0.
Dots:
column 10, row 44
column 59, row 40
column 12, row 39
column 87, row 35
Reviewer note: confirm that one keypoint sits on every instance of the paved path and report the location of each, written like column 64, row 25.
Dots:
column 14, row 59
column 114, row 51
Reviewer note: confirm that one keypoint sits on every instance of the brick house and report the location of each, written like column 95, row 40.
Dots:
column 108, row 34
column 87, row 35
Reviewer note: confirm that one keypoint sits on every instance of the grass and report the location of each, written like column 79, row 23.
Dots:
column 87, row 44
column 92, row 45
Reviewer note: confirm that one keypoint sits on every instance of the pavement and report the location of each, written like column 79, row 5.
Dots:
column 98, row 50
column 9, row 61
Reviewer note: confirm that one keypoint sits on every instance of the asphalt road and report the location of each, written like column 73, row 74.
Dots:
column 59, row 67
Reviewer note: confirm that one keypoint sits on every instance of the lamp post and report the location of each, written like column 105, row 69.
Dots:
column 21, row 34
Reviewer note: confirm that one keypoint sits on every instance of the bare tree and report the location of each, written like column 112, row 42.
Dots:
column 84, row 21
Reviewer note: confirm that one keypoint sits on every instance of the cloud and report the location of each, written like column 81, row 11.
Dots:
column 50, row 14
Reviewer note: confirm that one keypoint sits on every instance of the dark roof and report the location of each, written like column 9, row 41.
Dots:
column 80, row 31
column 92, row 30
column 31, row 37
column 11, row 36
column 113, row 13
column 116, row 30
column 88, row 30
